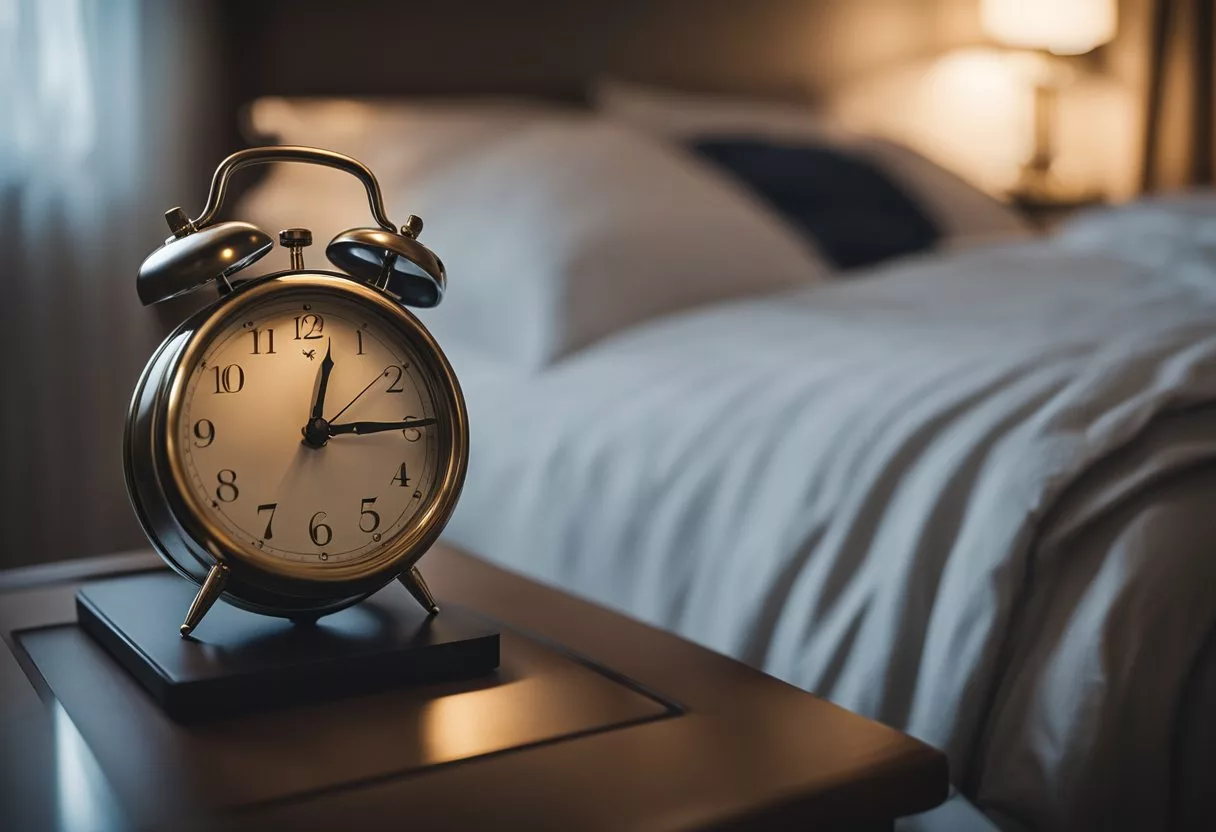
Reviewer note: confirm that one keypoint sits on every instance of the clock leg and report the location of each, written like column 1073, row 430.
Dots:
column 213, row 587
column 412, row 581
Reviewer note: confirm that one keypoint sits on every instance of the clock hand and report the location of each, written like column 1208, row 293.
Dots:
column 315, row 431
column 361, row 428
column 382, row 374
column 327, row 366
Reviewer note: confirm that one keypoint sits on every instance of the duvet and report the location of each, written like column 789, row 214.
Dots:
column 970, row 494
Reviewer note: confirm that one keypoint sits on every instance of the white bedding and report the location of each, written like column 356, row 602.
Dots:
column 917, row 493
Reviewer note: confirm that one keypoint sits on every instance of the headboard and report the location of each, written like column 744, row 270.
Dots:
column 548, row 49
column 553, row 48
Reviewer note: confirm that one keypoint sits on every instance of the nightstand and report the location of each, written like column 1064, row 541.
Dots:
column 592, row 721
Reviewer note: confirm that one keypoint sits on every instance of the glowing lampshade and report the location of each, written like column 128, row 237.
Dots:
column 1063, row 27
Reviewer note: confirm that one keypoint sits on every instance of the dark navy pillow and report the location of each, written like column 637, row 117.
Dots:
column 853, row 212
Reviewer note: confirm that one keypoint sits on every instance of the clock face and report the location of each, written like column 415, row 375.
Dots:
column 290, row 431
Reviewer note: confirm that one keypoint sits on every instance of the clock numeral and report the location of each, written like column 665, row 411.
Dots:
column 395, row 386
column 317, row 530
column 359, row 335
column 226, row 491
column 366, row 513
column 231, row 379
column 204, row 433
column 271, row 507
column 257, row 341
column 309, row 327
column 401, row 479
column 411, row 434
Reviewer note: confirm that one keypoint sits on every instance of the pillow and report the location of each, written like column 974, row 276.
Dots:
column 565, row 231
column 395, row 137
column 963, row 214
column 568, row 233
column 855, row 214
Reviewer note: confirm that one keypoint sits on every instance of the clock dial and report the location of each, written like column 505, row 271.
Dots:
column 308, row 430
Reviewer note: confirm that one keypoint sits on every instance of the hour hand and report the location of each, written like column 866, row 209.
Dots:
column 327, row 366
column 316, row 431
column 360, row 428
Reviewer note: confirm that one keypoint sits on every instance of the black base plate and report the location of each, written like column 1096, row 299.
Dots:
column 240, row 661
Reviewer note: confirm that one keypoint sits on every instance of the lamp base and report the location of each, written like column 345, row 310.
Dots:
column 1039, row 188
column 1046, row 202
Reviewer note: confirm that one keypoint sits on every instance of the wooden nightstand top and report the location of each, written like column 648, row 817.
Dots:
column 731, row 747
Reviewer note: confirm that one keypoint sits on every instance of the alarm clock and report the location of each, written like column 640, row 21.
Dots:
column 300, row 442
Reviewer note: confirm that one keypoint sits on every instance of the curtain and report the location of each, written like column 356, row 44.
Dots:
column 1178, row 145
column 91, row 139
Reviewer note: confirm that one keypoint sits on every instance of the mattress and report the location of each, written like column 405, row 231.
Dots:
column 936, row 493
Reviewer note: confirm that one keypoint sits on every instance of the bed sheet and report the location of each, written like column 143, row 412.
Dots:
column 864, row 487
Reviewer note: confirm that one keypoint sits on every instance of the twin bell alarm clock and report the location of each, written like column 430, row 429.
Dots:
column 301, row 441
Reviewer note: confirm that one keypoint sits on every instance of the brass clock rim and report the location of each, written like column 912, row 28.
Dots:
column 265, row 570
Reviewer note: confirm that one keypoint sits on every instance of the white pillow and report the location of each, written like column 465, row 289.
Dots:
column 556, row 233
column 567, row 233
column 965, row 215
column 403, row 141
column 397, row 138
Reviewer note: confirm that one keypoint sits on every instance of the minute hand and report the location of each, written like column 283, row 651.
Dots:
column 360, row 428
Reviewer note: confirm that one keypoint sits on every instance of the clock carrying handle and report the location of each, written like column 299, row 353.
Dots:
column 285, row 153
column 202, row 250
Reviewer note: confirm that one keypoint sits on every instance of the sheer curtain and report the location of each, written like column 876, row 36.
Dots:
column 90, row 150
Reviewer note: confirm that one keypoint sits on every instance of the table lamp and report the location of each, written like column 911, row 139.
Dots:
column 1049, row 28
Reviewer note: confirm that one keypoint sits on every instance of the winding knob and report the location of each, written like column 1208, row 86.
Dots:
column 296, row 240
column 179, row 223
column 412, row 227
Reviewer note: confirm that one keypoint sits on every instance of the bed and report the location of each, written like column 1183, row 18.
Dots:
column 964, row 491
column 960, row 484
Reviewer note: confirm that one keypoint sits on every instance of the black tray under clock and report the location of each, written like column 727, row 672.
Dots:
column 241, row 661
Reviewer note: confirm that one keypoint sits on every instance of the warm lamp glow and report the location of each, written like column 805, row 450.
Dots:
column 972, row 111
column 1063, row 27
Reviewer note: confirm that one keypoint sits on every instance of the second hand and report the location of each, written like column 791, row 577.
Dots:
column 382, row 374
